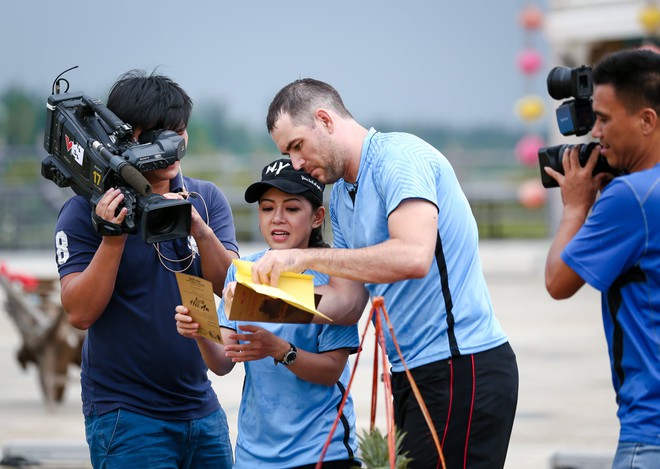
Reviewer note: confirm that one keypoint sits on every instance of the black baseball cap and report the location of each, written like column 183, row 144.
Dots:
column 282, row 175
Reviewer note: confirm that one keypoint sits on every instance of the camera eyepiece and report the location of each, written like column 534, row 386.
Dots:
column 564, row 82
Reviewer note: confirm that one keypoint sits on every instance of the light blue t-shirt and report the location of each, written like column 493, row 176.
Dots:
column 283, row 420
column 449, row 311
column 617, row 251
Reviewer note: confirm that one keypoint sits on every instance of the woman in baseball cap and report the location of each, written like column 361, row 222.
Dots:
column 281, row 175
column 295, row 374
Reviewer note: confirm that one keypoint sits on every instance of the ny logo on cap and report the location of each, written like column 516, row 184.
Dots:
column 276, row 167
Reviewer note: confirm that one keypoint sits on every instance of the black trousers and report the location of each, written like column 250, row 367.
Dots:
column 472, row 401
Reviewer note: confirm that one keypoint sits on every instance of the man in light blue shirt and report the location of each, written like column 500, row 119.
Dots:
column 403, row 229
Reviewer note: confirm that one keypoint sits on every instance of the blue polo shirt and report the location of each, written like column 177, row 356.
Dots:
column 133, row 358
column 617, row 251
column 449, row 311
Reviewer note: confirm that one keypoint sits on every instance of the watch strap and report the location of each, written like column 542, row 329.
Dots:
column 289, row 357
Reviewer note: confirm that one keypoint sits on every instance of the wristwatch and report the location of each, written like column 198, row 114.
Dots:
column 289, row 357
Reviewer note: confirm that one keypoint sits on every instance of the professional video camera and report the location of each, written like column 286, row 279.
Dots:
column 90, row 150
column 574, row 117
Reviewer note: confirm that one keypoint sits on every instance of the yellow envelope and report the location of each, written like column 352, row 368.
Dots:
column 292, row 301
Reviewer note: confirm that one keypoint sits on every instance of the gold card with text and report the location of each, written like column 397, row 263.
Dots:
column 197, row 295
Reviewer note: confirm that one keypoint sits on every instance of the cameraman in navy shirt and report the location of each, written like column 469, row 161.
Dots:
column 146, row 396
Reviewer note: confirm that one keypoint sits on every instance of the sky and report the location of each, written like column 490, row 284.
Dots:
column 410, row 62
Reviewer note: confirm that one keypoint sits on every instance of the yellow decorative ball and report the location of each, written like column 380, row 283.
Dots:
column 530, row 108
column 649, row 18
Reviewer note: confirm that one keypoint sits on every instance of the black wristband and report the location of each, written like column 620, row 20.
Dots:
column 104, row 227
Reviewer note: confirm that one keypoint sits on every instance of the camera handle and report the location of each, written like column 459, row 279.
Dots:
column 123, row 130
column 128, row 173
column 104, row 227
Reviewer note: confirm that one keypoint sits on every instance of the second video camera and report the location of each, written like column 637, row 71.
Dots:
column 574, row 117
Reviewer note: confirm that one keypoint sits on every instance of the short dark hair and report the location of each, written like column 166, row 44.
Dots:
column 150, row 102
column 635, row 76
column 301, row 98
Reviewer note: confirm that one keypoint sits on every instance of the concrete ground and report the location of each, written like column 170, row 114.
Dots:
column 566, row 408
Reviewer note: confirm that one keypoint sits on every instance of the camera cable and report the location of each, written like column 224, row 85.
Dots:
column 192, row 245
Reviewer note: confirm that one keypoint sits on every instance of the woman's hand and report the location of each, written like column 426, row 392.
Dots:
column 258, row 343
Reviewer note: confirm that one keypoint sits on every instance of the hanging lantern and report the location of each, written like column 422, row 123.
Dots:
column 531, row 194
column 530, row 108
column 527, row 149
column 531, row 17
column 529, row 61
column 649, row 18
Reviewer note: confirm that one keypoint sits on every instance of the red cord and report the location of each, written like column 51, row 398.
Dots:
column 378, row 304
column 343, row 401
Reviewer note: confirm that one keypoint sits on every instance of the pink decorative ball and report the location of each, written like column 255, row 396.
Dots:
column 531, row 194
column 529, row 61
column 527, row 149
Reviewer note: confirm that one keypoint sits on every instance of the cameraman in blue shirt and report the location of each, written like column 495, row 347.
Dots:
column 614, row 243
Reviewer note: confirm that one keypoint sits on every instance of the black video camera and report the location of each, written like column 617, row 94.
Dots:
column 90, row 150
column 574, row 117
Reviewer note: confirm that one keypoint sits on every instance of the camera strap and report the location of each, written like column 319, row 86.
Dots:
column 104, row 227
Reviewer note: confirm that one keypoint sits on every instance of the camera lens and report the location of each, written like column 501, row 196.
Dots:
column 557, row 153
column 164, row 219
column 559, row 83
column 552, row 157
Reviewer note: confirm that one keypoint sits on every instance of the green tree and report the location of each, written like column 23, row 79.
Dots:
column 23, row 117
column 211, row 128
